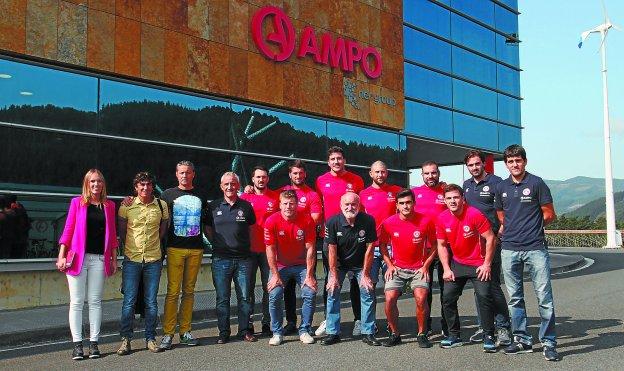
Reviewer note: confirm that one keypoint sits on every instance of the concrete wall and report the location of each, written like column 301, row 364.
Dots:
column 206, row 46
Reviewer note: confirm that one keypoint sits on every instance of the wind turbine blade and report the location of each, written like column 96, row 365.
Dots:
column 616, row 27
column 604, row 38
column 604, row 11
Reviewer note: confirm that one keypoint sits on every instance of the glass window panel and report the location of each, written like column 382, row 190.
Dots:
column 258, row 130
column 510, row 3
column 508, row 109
column 428, row 121
column 39, row 96
column 507, row 51
column 472, row 35
column 507, row 136
column 141, row 112
column 474, row 67
column 402, row 152
column 506, row 21
column 475, row 132
column 483, row 10
column 364, row 146
column 474, row 99
column 425, row 49
column 427, row 15
column 508, row 80
column 427, row 85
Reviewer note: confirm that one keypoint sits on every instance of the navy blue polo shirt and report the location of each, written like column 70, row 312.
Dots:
column 524, row 221
column 230, row 225
column 351, row 241
column 481, row 196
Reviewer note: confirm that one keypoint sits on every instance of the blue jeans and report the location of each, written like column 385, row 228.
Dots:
column 367, row 300
column 276, row 300
column 538, row 262
column 224, row 271
column 131, row 275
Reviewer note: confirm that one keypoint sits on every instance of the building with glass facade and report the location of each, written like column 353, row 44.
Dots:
column 131, row 85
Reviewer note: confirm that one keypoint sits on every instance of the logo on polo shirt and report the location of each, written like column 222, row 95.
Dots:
column 440, row 197
column 370, row 198
column 349, row 185
column 396, row 234
column 270, row 204
column 302, row 199
column 416, row 234
column 504, row 194
column 241, row 216
column 300, row 234
column 486, row 189
column 466, row 228
column 327, row 185
column 419, row 196
column 240, row 213
column 361, row 233
column 339, row 234
column 526, row 191
column 448, row 230
column 281, row 233
column 467, row 232
column 219, row 212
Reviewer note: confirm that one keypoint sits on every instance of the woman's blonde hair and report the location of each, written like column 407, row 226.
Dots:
column 85, row 199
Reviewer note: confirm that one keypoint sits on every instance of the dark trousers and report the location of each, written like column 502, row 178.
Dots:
column 440, row 273
column 454, row 289
column 499, row 303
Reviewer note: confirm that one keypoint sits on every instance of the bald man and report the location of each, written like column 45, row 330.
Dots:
column 349, row 236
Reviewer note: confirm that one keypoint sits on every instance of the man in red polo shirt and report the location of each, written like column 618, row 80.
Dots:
column 430, row 201
column 407, row 233
column 308, row 203
column 460, row 229
column 379, row 200
column 265, row 203
column 289, row 238
column 331, row 186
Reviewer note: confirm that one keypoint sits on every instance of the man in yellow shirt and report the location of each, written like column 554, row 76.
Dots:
column 141, row 226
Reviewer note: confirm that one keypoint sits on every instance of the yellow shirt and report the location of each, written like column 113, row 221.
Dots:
column 142, row 236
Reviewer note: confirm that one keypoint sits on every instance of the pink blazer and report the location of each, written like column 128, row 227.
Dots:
column 75, row 235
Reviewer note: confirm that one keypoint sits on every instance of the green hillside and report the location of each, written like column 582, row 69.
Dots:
column 596, row 208
column 574, row 193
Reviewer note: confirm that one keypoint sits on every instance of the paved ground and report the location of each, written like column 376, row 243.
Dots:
column 589, row 308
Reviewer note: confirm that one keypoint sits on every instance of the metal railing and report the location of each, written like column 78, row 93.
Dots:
column 576, row 238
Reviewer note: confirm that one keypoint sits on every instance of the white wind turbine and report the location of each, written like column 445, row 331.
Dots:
column 612, row 238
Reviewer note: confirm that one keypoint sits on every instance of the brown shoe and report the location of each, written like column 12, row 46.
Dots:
column 153, row 347
column 125, row 347
column 248, row 336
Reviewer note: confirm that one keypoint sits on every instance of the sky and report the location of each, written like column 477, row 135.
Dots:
column 562, row 90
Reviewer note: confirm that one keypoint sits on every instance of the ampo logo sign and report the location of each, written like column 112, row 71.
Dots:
column 337, row 53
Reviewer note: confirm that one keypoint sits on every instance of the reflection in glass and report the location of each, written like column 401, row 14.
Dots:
column 480, row 10
column 427, row 15
column 506, row 21
column 421, row 83
column 474, row 67
column 422, row 48
column 507, row 136
column 472, row 35
column 141, row 112
column 475, row 132
column 364, row 146
column 474, row 99
column 507, row 51
column 508, row 109
column 428, row 121
column 508, row 80
column 277, row 133
column 39, row 96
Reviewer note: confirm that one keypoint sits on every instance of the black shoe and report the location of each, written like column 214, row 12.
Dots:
column 550, row 354
column 266, row 330
column 330, row 340
column 290, row 328
column 94, row 352
column 518, row 348
column 223, row 339
column 393, row 339
column 78, row 352
column 371, row 340
column 423, row 341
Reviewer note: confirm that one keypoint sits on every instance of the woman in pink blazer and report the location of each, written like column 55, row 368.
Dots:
column 88, row 254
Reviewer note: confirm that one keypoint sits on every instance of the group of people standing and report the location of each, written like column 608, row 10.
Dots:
column 468, row 233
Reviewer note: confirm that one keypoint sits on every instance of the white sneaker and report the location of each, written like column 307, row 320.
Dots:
column 306, row 338
column 276, row 340
column 320, row 331
column 357, row 328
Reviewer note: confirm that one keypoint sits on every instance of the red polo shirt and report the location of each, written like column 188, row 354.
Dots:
column 289, row 237
column 263, row 205
column 331, row 188
column 308, row 201
column 407, row 238
column 463, row 234
column 429, row 201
